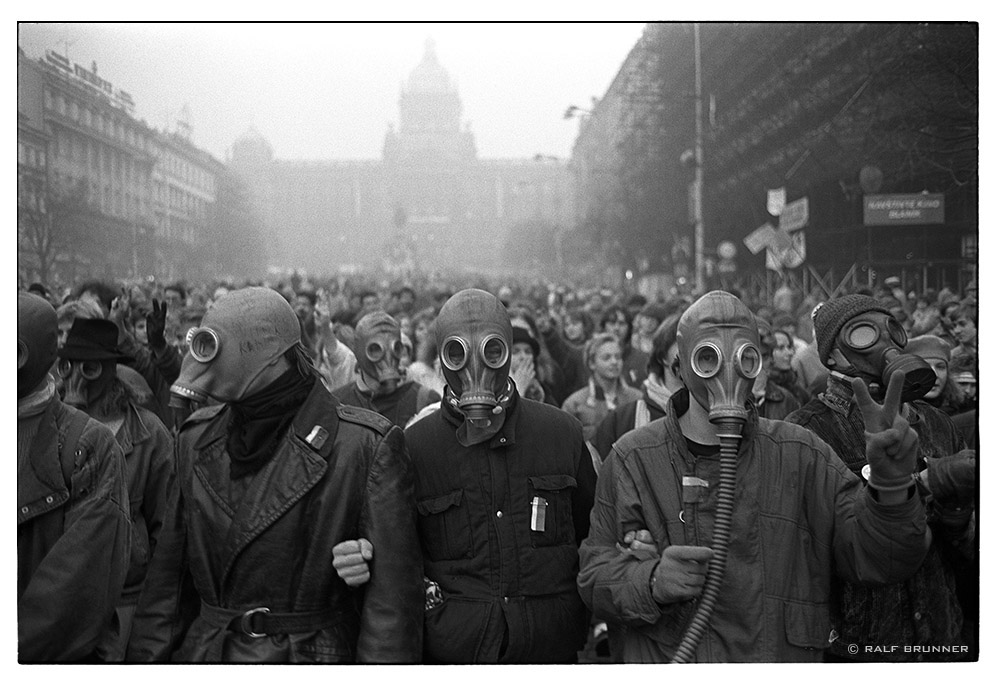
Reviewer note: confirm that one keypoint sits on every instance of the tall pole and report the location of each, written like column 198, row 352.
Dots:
column 699, row 221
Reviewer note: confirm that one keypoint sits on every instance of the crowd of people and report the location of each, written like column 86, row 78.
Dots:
column 462, row 470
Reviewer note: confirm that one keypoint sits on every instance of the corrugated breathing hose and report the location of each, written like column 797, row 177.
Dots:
column 729, row 435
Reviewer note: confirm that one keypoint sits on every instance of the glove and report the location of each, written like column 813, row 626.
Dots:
column 890, row 442
column 680, row 574
column 952, row 479
column 156, row 323
column 350, row 560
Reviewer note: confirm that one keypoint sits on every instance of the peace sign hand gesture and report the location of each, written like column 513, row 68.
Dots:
column 890, row 442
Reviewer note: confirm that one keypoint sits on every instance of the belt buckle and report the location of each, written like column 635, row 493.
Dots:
column 245, row 621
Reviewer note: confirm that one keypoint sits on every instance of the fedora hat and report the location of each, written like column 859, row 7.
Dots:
column 93, row 339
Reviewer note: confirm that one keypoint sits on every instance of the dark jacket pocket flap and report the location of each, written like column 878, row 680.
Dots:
column 807, row 625
column 439, row 504
column 552, row 482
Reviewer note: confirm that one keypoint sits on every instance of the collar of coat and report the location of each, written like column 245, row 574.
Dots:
column 318, row 410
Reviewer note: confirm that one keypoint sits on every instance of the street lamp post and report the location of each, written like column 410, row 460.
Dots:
column 699, row 223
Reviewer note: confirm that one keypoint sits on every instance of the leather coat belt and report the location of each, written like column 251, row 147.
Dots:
column 261, row 621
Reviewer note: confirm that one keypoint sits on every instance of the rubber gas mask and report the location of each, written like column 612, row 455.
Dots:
column 474, row 338
column 378, row 347
column 84, row 382
column 719, row 351
column 873, row 343
column 241, row 336
column 37, row 341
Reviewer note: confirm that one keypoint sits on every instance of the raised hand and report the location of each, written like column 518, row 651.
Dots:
column 890, row 442
column 156, row 323
column 522, row 374
column 120, row 308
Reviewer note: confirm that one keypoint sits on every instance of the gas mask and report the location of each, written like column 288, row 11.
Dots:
column 873, row 343
column 474, row 341
column 719, row 351
column 84, row 382
column 37, row 341
column 378, row 348
column 243, row 334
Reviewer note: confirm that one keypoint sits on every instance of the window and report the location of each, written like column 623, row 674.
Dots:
column 74, row 110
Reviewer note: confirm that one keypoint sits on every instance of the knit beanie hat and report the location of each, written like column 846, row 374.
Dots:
column 522, row 335
column 832, row 315
column 929, row 346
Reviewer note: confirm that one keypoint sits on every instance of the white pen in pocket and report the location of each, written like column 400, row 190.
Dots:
column 538, row 505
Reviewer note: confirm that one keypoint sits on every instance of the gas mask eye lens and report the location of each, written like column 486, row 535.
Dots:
column 896, row 332
column 374, row 351
column 90, row 369
column 204, row 344
column 454, row 353
column 862, row 335
column 495, row 352
column 22, row 354
column 750, row 360
column 64, row 368
column 398, row 349
column 706, row 360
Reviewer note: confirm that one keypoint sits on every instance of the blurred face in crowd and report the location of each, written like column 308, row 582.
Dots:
column 573, row 330
column 964, row 330
column 369, row 301
column 173, row 298
column 303, row 308
column 140, row 330
column 783, row 351
column 607, row 362
column 406, row 325
column 420, row 330
column 949, row 312
column 618, row 326
column 64, row 327
column 645, row 324
column 521, row 354
column 940, row 368
column 969, row 388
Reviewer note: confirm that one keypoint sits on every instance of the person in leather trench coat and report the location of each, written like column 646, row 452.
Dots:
column 266, row 485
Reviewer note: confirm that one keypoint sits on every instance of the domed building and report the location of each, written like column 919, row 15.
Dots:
column 429, row 201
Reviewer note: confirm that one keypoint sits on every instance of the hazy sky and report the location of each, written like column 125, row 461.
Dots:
column 328, row 91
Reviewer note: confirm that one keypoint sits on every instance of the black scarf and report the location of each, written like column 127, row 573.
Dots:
column 258, row 422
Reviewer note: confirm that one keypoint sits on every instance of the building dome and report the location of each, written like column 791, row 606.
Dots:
column 429, row 76
column 252, row 148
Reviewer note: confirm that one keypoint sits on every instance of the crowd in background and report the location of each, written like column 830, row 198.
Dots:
column 586, row 349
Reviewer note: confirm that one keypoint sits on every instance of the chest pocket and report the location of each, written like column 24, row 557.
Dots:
column 556, row 527
column 445, row 530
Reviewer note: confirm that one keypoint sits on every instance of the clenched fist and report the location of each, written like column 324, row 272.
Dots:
column 350, row 560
